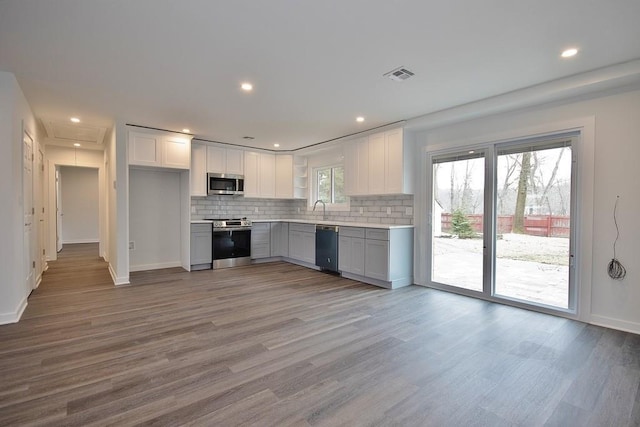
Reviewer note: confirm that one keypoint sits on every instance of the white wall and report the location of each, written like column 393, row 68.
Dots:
column 15, row 114
column 119, row 205
column 79, row 194
column 154, row 219
column 612, row 125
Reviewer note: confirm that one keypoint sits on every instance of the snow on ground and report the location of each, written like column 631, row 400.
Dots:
column 529, row 268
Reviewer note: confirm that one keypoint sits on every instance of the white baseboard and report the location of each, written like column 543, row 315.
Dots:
column 117, row 280
column 621, row 325
column 72, row 241
column 15, row 316
column 157, row 266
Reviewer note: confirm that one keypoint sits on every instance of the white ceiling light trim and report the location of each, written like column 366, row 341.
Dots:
column 568, row 53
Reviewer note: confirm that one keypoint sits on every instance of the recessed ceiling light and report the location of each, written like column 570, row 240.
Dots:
column 75, row 120
column 471, row 151
column 569, row 53
column 76, row 145
column 276, row 145
column 246, row 87
column 185, row 130
column 360, row 119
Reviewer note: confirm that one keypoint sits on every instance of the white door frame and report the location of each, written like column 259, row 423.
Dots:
column 59, row 212
column 53, row 162
column 29, row 267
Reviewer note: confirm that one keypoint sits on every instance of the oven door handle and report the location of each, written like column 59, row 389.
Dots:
column 232, row 229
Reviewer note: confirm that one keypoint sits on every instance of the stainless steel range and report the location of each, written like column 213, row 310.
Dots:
column 231, row 242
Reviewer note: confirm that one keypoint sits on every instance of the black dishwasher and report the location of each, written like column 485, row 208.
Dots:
column 327, row 247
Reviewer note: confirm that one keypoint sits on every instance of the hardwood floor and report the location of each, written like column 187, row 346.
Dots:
column 281, row 345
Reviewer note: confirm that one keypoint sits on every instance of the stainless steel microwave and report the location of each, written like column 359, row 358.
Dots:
column 224, row 183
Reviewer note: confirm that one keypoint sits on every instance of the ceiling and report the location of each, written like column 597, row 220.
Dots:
column 314, row 65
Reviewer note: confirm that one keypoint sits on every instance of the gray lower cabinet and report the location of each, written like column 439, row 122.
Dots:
column 351, row 250
column 376, row 261
column 378, row 256
column 280, row 239
column 260, row 240
column 302, row 242
column 382, row 257
column 201, row 246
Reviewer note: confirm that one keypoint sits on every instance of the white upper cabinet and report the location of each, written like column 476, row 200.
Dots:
column 269, row 175
column 176, row 152
column 376, row 164
column 216, row 160
column 144, row 149
column 267, row 168
column 235, row 161
column 356, row 167
column 159, row 150
column 284, row 176
column 251, row 174
column 225, row 160
column 259, row 174
column 198, row 170
column 394, row 166
column 380, row 164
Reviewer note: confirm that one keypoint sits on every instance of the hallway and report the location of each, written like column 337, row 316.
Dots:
column 77, row 269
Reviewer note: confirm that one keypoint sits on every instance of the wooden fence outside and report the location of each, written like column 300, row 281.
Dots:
column 535, row 225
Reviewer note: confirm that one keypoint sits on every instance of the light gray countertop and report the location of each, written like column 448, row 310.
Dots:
column 310, row 221
column 339, row 223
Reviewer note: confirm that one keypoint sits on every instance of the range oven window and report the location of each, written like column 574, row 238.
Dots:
column 231, row 244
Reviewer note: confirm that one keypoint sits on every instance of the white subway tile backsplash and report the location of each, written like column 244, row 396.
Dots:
column 374, row 209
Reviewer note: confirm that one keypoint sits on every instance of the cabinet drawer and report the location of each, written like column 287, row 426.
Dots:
column 377, row 234
column 260, row 227
column 201, row 228
column 304, row 228
column 352, row 232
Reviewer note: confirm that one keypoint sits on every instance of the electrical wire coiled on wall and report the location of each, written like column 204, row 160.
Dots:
column 615, row 269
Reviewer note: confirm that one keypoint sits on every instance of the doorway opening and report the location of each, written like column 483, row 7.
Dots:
column 77, row 206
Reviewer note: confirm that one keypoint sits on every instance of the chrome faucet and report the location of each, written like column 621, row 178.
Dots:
column 324, row 209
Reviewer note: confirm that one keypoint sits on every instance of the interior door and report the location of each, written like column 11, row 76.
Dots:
column 40, row 212
column 58, row 211
column 27, row 196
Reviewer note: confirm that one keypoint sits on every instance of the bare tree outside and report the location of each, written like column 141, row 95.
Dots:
column 521, row 200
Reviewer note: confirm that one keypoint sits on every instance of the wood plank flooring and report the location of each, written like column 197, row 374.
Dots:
column 281, row 345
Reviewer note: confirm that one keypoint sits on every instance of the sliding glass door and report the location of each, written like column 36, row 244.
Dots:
column 534, row 217
column 501, row 221
column 457, row 226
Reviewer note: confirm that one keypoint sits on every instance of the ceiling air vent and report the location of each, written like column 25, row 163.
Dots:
column 399, row 74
